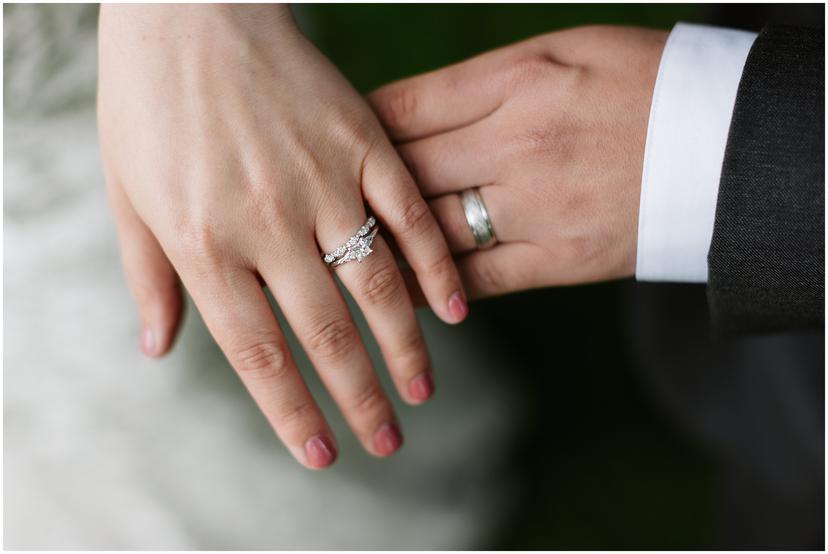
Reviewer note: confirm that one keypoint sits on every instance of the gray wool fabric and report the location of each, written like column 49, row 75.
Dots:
column 767, row 256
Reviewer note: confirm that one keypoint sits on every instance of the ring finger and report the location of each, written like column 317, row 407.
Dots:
column 450, row 215
column 378, row 288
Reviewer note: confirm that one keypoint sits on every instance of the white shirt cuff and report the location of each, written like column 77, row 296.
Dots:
column 693, row 100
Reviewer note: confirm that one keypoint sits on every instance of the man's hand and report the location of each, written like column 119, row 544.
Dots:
column 552, row 130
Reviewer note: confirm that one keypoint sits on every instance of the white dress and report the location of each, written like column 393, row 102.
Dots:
column 107, row 450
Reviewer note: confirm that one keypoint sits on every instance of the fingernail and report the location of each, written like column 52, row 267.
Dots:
column 421, row 387
column 458, row 307
column 148, row 344
column 320, row 452
column 387, row 439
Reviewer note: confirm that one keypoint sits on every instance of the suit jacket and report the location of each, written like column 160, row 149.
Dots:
column 767, row 256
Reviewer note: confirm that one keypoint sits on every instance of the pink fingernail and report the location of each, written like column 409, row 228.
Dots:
column 458, row 307
column 320, row 452
column 387, row 439
column 148, row 344
column 421, row 387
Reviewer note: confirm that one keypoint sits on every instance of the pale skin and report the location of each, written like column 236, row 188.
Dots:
column 233, row 153
column 552, row 130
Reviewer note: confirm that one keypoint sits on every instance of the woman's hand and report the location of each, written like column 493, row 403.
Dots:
column 234, row 152
column 552, row 130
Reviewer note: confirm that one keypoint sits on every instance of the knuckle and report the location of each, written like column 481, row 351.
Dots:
column 489, row 276
column 295, row 414
column 333, row 338
column 154, row 294
column 264, row 361
column 573, row 81
column 308, row 165
column 584, row 251
column 369, row 399
column 271, row 216
column 412, row 354
column 383, row 287
column 399, row 106
column 352, row 130
column 594, row 31
column 198, row 241
column 416, row 217
column 443, row 267
column 549, row 137
column 525, row 70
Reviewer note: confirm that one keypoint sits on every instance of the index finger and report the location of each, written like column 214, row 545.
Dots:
column 444, row 99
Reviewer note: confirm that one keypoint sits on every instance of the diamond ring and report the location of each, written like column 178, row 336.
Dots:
column 358, row 247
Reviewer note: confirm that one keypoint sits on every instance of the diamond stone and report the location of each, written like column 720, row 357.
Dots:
column 361, row 251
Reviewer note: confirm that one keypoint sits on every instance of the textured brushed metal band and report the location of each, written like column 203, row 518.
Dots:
column 478, row 218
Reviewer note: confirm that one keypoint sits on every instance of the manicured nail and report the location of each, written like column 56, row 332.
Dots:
column 458, row 307
column 320, row 452
column 421, row 387
column 148, row 344
column 387, row 439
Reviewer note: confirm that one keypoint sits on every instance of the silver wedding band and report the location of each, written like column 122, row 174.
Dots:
column 478, row 218
column 356, row 248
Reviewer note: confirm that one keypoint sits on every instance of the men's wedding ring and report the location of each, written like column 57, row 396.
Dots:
column 478, row 218
column 356, row 248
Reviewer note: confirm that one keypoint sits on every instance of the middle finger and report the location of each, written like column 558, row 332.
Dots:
column 315, row 309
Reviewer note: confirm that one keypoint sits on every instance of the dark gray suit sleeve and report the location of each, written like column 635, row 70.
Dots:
column 767, row 256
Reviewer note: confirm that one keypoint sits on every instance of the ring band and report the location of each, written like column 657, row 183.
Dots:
column 358, row 247
column 478, row 218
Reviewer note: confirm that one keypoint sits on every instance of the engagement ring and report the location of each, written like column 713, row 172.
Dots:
column 358, row 247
